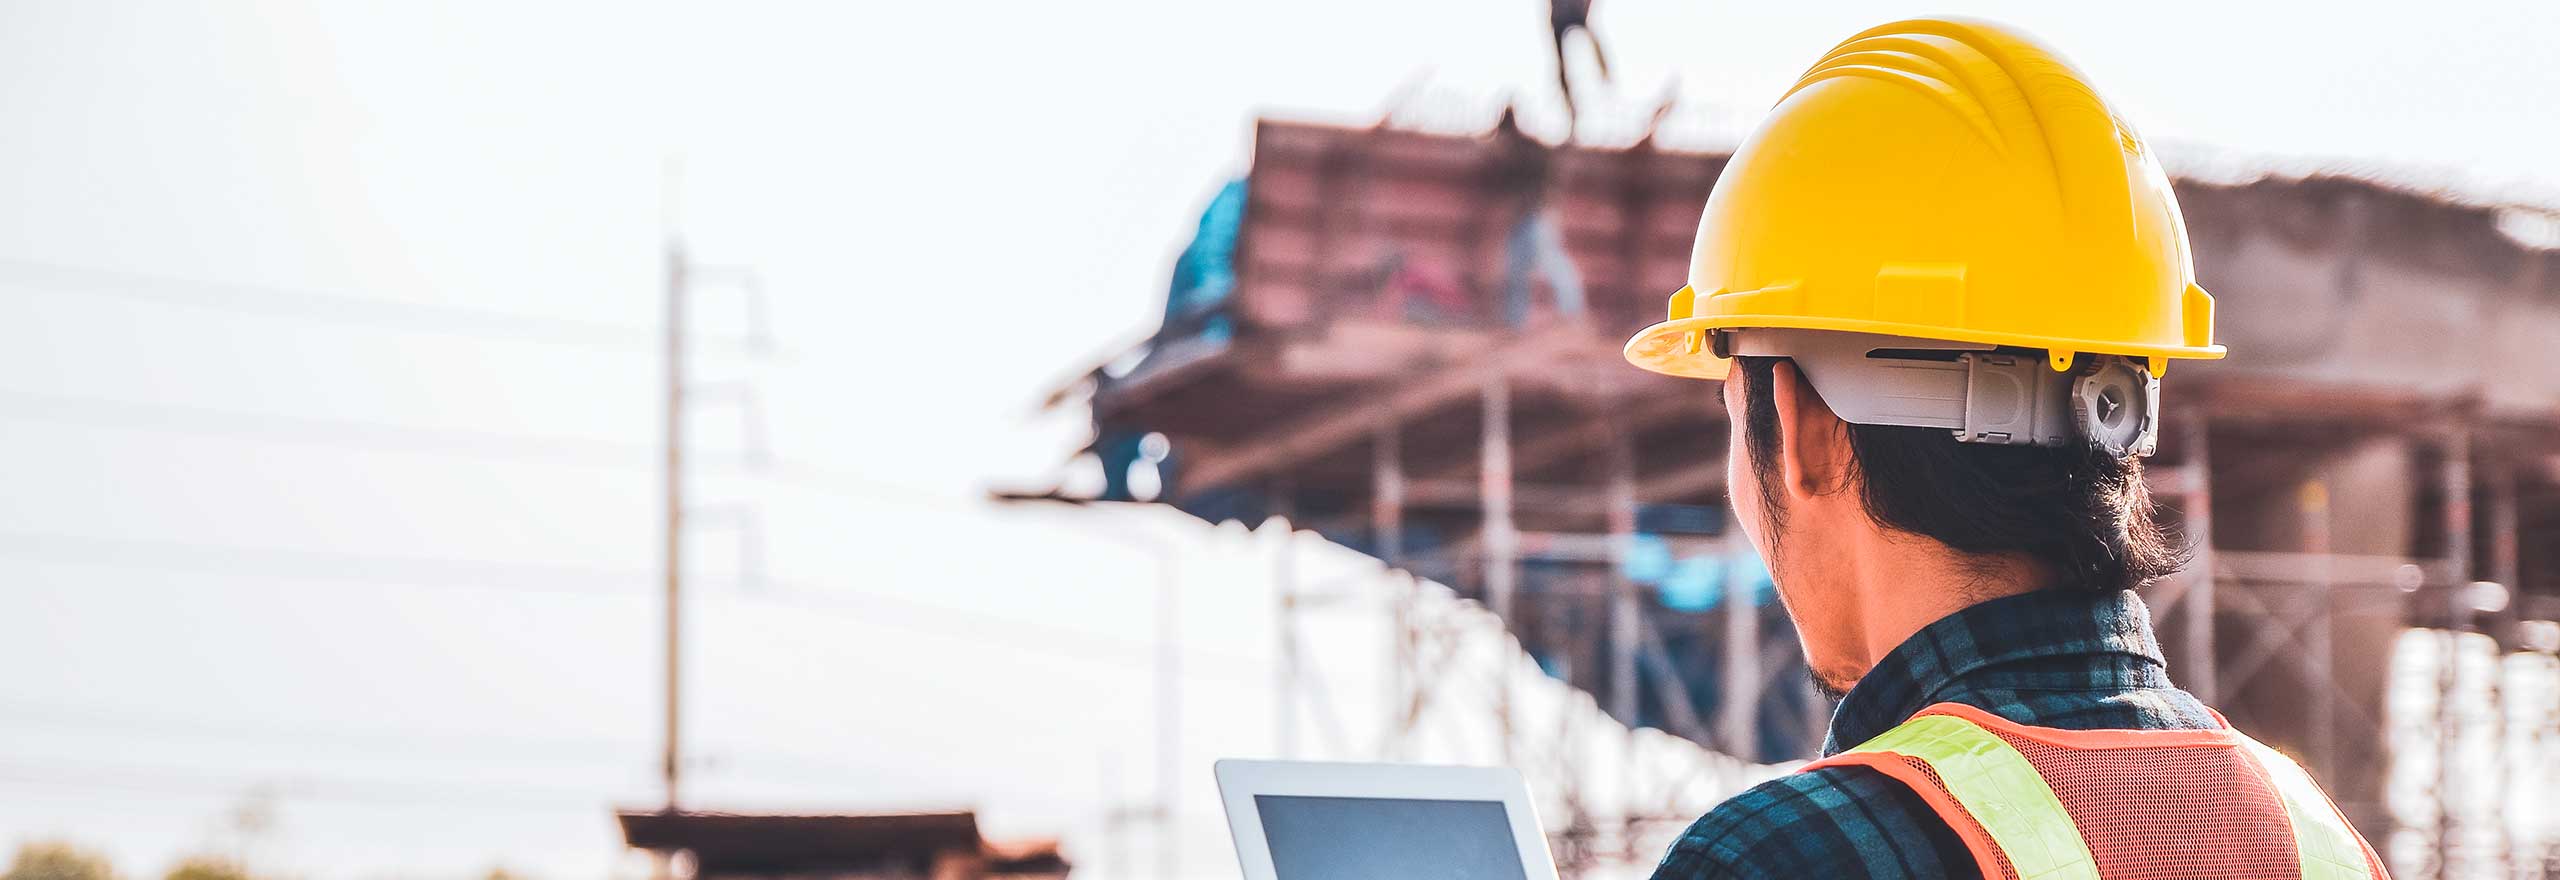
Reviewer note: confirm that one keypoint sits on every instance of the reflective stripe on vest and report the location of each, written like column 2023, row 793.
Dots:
column 2330, row 850
column 2018, row 819
column 2000, row 789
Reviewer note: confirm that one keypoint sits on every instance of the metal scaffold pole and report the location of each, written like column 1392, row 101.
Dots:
column 1386, row 511
column 1625, row 615
column 1284, row 571
column 2457, row 536
column 1738, row 698
column 2503, row 552
column 2200, row 673
column 1387, row 491
column 2319, row 663
column 1501, row 538
column 1168, row 721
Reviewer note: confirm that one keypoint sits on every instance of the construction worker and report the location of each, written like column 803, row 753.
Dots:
column 1563, row 18
column 1534, row 248
column 1942, row 282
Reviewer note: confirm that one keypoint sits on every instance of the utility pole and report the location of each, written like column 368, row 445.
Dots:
column 673, row 760
column 681, row 274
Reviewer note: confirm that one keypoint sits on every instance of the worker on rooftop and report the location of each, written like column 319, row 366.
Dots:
column 1563, row 18
column 1534, row 248
column 1942, row 282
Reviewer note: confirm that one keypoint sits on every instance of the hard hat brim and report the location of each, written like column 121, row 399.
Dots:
column 1679, row 347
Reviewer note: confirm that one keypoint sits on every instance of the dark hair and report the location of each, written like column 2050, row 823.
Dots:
column 2077, row 509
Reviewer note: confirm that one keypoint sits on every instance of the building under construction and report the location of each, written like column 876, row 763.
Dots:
column 1408, row 342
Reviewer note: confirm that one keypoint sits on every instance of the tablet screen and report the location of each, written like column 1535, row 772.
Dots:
column 1353, row 838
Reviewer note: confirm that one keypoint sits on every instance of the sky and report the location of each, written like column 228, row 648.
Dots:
column 329, row 394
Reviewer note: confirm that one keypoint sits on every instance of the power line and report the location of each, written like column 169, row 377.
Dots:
column 819, row 478
column 382, row 570
column 166, row 780
column 336, row 308
column 172, row 780
column 363, row 435
column 404, row 743
column 321, row 565
column 377, row 436
column 356, row 434
column 724, row 761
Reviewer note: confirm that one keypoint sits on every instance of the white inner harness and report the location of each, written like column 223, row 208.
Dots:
column 1977, row 391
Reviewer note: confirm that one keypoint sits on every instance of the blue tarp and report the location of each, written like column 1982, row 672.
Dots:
column 1205, row 274
column 1696, row 583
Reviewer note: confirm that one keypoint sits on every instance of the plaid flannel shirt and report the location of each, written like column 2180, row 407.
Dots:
column 2052, row 658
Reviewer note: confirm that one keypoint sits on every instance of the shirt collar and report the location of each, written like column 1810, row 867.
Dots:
column 2041, row 631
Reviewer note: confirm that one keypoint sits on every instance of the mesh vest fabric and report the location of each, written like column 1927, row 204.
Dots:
column 2045, row 804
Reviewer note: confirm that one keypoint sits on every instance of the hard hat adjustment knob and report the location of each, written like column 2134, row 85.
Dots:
column 2115, row 406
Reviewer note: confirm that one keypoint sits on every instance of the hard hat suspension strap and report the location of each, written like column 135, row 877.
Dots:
column 1978, row 392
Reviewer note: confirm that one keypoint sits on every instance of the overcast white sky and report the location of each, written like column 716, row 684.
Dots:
column 395, row 561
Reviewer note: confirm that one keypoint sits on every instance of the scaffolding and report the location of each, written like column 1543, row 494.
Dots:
column 2381, row 456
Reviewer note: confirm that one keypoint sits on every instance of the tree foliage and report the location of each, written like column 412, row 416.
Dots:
column 58, row 860
column 209, row 867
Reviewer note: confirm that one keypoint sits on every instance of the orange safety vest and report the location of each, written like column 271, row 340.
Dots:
column 2039, row 803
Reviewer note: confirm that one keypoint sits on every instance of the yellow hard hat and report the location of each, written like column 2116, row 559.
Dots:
column 1942, row 179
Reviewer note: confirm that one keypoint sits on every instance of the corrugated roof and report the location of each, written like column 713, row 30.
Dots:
column 736, row 842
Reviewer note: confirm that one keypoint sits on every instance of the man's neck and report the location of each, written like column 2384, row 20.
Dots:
column 1904, row 583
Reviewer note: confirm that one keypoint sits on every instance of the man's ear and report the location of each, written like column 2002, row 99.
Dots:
column 1813, row 445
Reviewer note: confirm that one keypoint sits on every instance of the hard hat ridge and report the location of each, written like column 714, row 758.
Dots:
column 1942, row 179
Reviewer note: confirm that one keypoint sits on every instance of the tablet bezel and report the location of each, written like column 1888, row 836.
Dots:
column 1239, row 781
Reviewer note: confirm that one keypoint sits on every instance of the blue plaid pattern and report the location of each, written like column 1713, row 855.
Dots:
column 2071, row 659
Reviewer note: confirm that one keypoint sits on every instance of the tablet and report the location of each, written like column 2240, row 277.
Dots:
column 1320, row 821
